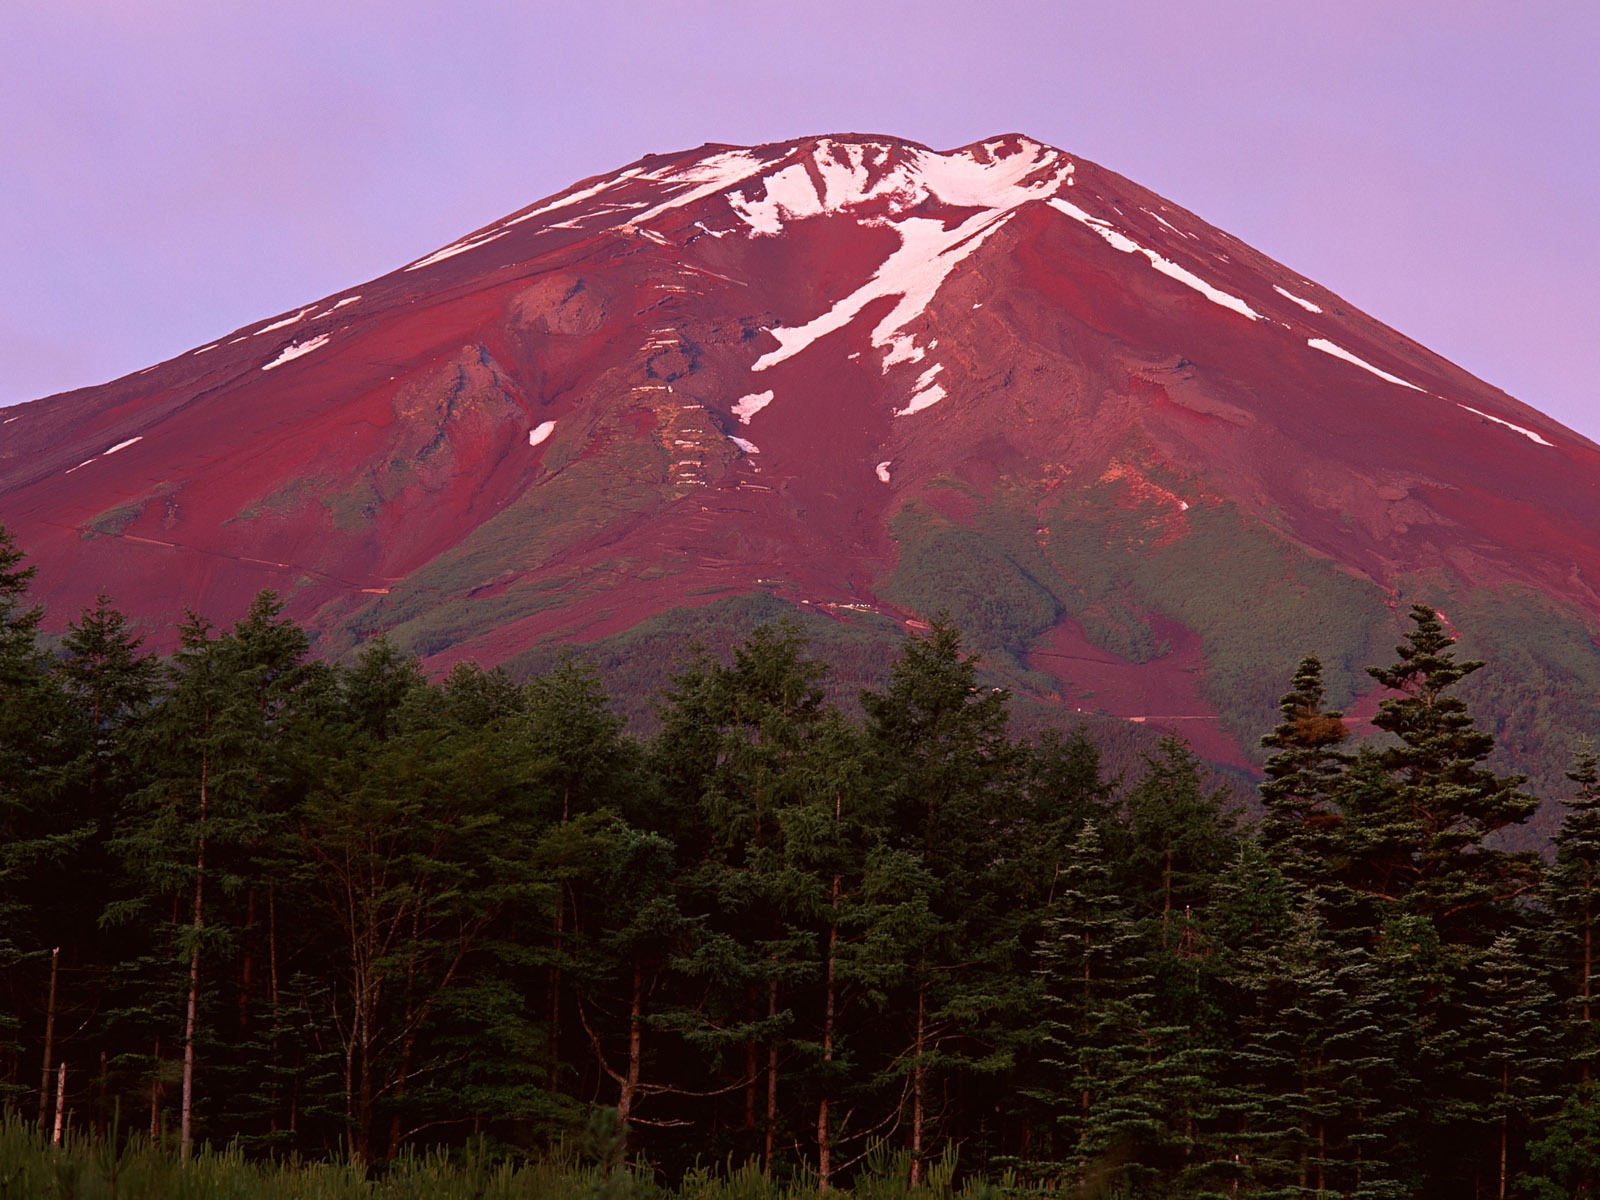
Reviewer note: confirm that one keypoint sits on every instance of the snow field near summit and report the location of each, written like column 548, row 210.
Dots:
column 541, row 432
column 839, row 175
column 928, row 253
column 1339, row 351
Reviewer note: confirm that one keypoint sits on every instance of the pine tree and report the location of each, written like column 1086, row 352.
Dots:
column 1437, row 778
column 1571, row 895
column 945, row 764
column 1508, row 1057
column 1303, row 773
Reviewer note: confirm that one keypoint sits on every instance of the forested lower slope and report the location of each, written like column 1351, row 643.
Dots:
column 331, row 911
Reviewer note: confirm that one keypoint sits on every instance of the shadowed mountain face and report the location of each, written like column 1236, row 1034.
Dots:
column 1145, row 466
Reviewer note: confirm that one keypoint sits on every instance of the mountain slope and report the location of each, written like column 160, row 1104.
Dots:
column 1146, row 466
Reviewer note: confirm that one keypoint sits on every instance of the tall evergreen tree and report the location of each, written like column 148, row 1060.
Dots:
column 1303, row 771
column 1452, row 802
column 1571, row 896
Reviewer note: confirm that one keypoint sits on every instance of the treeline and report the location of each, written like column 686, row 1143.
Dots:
column 249, row 897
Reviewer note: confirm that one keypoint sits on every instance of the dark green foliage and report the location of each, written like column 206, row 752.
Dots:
column 352, row 913
column 944, row 566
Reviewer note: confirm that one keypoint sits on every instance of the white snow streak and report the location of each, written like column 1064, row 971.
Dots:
column 1127, row 245
column 286, row 321
column 571, row 198
column 455, row 248
column 883, row 469
column 747, row 447
column 926, row 398
column 295, row 349
column 1338, row 351
column 1527, row 433
column 541, row 432
column 926, row 393
column 749, row 406
column 1303, row 303
column 928, row 253
column 102, row 454
column 712, row 174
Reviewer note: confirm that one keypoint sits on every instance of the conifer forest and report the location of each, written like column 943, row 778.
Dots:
column 257, row 904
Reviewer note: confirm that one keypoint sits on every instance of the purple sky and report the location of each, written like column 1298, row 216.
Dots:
column 173, row 169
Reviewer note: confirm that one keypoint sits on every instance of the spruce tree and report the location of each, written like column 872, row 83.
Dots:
column 1454, row 803
column 1303, row 772
column 1571, row 896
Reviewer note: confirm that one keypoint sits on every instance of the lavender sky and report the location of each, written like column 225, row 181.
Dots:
column 173, row 169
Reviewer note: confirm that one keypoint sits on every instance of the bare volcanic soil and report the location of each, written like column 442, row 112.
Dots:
column 1144, row 465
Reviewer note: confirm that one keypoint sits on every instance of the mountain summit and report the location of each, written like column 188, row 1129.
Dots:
column 1144, row 465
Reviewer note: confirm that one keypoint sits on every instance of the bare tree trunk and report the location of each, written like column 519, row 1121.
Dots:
column 191, row 1019
column 1505, row 1132
column 630, row 1082
column 772, row 1076
column 918, row 1083
column 155, row 1096
column 824, row 1133
column 555, row 975
column 61, row 1102
column 49, row 1039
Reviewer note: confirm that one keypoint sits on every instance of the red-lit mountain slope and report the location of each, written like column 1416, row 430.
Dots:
column 1145, row 465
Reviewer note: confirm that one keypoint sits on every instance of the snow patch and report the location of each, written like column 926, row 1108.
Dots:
column 541, row 432
column 203, row 349
column 882, row 469
column 841, row 175
column 295, row 349
column 749, row 406
column 1338, row 351
column 902, row 348
column 923, row 399
column 287, row 321
column 926, row 393
column 571, row 198
column 1164, row 221
column 102, row 454
column 455, row 248
column 928, row 253
column 1127, row 245
column 1303, row 303
column 747, row 446
column 711, row 174
column 1527, row 433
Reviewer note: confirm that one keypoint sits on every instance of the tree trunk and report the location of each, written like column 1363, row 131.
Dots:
column 918, row 1083
column 49, row 1039
column 61, row 1102
column 772, row 1075
column 630, row 1082
column 191, row 1018
column 557, row 934
column 155, row 1096
column 824, row 1133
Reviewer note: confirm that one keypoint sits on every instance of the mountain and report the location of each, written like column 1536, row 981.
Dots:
column 1144, row 465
